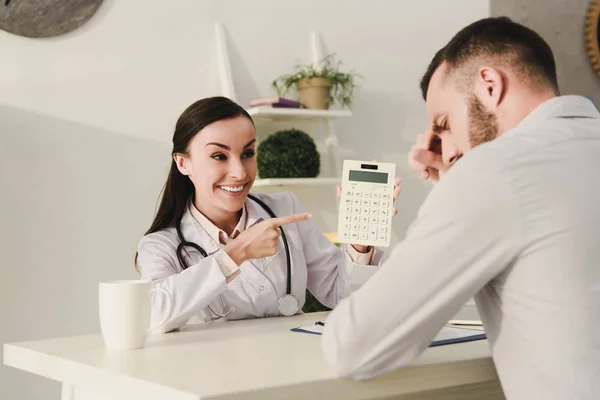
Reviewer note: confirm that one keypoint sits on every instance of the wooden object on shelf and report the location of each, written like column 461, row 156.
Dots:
column 592, row 34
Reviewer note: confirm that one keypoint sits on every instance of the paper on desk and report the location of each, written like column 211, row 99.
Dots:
column 314, row 329
column 465, row 322
column 448, row 335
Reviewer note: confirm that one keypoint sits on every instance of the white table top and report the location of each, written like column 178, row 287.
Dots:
column 249, row 359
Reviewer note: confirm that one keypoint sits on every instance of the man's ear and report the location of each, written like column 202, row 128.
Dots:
column 490, row 87
column 182, row 162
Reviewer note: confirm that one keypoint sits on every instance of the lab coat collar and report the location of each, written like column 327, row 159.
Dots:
column 191, row 228
column 570, row 106
column 255, row 212
column 214, row 232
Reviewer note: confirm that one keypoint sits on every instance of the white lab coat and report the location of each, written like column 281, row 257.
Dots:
column 318, row 264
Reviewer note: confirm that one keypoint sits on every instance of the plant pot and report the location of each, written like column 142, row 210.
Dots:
column 314, row 93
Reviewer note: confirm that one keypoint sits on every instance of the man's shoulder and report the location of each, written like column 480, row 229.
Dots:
column 485, row 159
column 508, row 150
column 533, row 140
column 480, row 176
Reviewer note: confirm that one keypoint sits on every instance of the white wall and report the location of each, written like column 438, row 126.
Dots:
column 75, row 200
column 561, row 24
column 87, row 120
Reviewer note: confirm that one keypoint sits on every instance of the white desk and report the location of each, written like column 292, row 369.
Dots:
column 255, row 359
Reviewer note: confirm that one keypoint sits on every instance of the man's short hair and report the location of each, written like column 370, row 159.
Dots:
column 502, row 39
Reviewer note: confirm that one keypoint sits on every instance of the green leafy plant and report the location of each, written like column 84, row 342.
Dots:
column 288, row 153
column 312, row 304
column 343, row 84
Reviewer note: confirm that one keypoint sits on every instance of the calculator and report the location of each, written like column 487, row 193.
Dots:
column 366, row 204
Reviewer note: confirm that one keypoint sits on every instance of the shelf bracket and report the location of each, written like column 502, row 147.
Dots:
column 317, row 49
column 225, row 75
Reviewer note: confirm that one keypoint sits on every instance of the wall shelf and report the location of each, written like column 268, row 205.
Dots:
column 296, row 181
column 271, row 113
column 317, row 194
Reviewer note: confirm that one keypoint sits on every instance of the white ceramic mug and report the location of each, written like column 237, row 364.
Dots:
column 124, row 308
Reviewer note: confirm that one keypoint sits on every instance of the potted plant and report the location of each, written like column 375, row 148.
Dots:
column 320, row 86
column 289, row 153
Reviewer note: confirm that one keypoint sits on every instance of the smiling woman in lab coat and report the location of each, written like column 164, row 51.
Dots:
column 244, row 273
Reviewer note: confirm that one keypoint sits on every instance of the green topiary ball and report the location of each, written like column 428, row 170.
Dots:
column 288, row 154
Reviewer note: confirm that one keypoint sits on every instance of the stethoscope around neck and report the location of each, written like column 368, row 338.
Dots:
column 288, row 304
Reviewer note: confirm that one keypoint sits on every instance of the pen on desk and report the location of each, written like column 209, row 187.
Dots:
column 320, row 323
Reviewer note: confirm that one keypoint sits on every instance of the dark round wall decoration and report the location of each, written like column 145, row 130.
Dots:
column 45, row 18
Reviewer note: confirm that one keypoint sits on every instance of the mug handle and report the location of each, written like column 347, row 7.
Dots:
column 169, row 306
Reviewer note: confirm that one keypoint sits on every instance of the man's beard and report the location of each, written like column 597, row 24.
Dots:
column 483, row 125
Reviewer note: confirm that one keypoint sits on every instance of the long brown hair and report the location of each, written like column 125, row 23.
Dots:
column 178, row 188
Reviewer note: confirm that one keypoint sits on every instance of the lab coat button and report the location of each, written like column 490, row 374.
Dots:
column 261, row 288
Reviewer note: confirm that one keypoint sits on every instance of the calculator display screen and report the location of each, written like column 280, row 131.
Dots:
column 367, row 176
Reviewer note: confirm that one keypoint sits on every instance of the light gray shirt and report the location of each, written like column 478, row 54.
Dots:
column 515, row 223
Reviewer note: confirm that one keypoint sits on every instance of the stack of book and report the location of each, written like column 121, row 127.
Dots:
column 277, row 102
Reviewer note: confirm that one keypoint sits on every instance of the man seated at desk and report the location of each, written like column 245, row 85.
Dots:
column 515, row 222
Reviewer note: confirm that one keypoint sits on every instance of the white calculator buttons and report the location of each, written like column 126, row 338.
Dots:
column 366, row 205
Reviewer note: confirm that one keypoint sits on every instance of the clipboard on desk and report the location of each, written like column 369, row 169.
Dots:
column 448, row 334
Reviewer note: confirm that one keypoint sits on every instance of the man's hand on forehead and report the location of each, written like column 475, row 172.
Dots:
column 425, row 157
